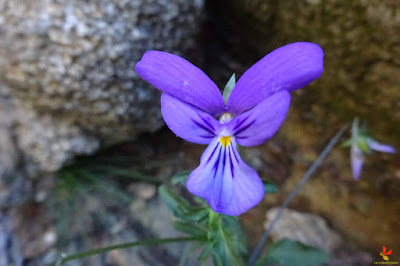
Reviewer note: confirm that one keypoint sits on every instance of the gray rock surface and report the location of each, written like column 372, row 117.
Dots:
column 68, row 87
column 309, row 229
column 70, row 65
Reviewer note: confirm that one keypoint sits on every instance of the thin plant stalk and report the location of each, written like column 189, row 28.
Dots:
column 148, row 242
column 256, row 253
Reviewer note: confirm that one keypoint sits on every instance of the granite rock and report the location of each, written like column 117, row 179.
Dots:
column 70, row 65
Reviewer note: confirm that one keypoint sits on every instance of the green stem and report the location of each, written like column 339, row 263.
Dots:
column 254, row 256
column 148, row 242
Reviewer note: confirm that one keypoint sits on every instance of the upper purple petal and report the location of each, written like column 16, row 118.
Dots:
column 289, row 67
column 259, row 124
column 181, row 79
column 227, row 184
column 377, row 146
column 187, row 121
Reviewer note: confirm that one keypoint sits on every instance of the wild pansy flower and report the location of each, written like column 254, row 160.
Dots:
column 363, row 144
column 194, row 109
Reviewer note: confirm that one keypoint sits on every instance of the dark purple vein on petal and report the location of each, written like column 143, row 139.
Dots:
column 212, row 153
column 224, row 159
column 207, row 137
column 215, row 167
column 208, row 123
column 203, row 127
column 240, row 123
column 245, row 127
column 237, row 160
column 230, row 160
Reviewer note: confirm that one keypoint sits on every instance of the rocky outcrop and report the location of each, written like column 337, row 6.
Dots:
column 67, row 88
column 70, row 65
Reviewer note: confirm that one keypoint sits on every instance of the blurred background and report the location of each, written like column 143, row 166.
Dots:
column 83, row 145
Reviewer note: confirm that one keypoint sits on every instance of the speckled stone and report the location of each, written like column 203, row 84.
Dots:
column 70, row 65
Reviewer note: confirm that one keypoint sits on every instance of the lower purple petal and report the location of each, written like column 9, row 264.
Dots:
column 357, row 159
column 228, row 185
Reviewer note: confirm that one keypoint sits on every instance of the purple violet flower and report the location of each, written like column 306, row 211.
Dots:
column 193, row 108
column 361, row 145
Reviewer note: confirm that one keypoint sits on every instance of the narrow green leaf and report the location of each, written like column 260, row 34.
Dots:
column 180, row 178
column 175, row 203
column 190, row 229
column 190, row 248
column 270, row 187
column 346, row 144
column 195, row 213
column 228, row 88
column 288, row 252
column 205, row 253
column 147, row 242
column 213, row 220
column 180, row 207
column 228, row 238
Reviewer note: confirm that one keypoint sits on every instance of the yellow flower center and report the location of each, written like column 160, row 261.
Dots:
column 225, row 141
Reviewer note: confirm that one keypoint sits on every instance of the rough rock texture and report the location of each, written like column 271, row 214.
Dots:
column 309, row 229
column 71, row 66
column 68, row 87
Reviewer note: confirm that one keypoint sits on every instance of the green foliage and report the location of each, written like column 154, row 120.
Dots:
column 229, row 245
column 75, row 201
column 288, row 252
column 220, row 236
column 270, row 187
column 87, row 190
column 180, row 207
column 228, row 88
column 346, row 144
column 180, row 178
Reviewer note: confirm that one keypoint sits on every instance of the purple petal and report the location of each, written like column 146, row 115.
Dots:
column 377, row 146
column 179, row 78
column 187, row 121
column 225, row 181
column 357, row 159
column 289, row 67
column 259, row 124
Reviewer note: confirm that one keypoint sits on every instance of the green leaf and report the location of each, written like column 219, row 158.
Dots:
column 363, row 145
column 195, row 213
column 190, row 229
column 346, row 144
column 180, row 207
column 270, row 187
column 228, row 238
column 190, row 248
column 228, row 88
column 205, row 253
column 213, row 221
column 180, row 178
column 174, row 202
column 288, row 252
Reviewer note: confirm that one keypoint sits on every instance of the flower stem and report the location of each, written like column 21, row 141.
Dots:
column 120, row 246
column 254, row 256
